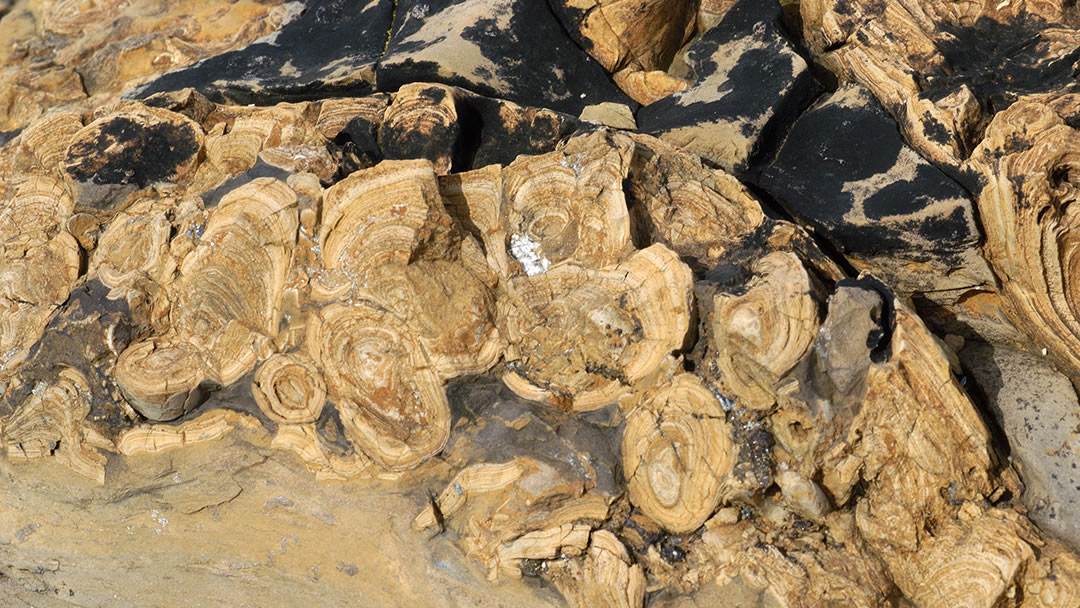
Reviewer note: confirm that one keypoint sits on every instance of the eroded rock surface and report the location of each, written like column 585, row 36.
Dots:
column 749, row 84
column 416, row 313
column 845, row 170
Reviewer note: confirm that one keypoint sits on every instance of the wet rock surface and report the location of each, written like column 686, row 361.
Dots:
column 233, row 522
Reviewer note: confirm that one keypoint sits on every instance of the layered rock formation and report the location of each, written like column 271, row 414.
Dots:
column 645, row 303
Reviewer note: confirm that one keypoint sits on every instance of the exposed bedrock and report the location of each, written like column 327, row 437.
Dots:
column 749, row 84
column 776, row 336
column 845, row 171
column 321, row 49
column 513, row 49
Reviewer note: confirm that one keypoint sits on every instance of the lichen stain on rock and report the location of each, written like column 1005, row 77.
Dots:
column 126, row 151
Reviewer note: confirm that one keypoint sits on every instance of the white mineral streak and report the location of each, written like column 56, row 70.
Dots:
column 525, row 251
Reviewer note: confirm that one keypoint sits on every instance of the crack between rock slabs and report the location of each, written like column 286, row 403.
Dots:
column 389, row 33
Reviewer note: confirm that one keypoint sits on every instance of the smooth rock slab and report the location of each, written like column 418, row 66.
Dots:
column 750, row 85
column 326, row 49
column 230, row 523
column 1039, row 412
column 845, row 171
column 513, row 49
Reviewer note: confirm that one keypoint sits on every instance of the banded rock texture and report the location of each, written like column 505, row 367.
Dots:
column 945, row 70
column 710, row 361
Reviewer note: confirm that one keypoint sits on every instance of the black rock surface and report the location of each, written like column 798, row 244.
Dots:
column 750, row 84
column 328, row 48
column 128, row 152
column 1000, row 62
column 845, row 170
column 513, row 49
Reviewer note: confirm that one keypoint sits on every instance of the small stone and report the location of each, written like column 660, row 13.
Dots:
column 1039, row 412
column 614, row 115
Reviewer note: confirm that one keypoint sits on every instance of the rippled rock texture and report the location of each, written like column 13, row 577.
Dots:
column 579, row 302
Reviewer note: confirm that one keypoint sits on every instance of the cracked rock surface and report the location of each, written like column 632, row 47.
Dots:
column 587, row 303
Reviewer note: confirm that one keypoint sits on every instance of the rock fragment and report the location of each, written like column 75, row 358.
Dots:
column 493, row 47
column 322, row 49
column 749, row 84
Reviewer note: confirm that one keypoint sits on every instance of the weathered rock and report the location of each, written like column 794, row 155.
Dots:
column 322, row 49
column 944, row 69
column 224, row 307
column 86, row 336
column 845, row 171
column 678, row 454
column 510, row 130
column 440, row 123
column 1027, row 179
column 57, row 53
column 531, row 481
column 614, row 115
column 646, row 87
column 749, row 84
column 129, row 150
column 514, row 49
column 40, row 263
column 1039, row 411
column 699, row 213
column 640, row 34
column 314, row 274
column 111, row 45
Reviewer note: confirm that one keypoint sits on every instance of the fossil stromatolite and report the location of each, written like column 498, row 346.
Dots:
column 588, row 354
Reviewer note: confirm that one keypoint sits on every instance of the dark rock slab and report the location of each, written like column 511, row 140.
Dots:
column 750, row 84
column 328, row 48
column 513, row 49
column 1039, row 412
column 502, row 131
column 845, row 171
